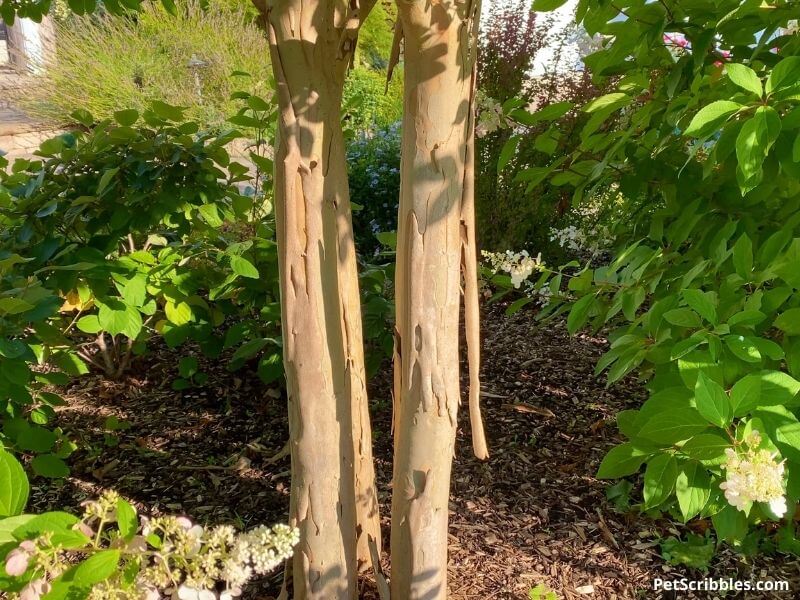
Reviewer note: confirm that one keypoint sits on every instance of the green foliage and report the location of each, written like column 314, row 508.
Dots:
column 696, row 552
column 369, row 103
column 133, row 227
column 37, row 9
column 374, row 176
column 542, row 592
column 106, row 62
column 697, row 137
column 514, row 148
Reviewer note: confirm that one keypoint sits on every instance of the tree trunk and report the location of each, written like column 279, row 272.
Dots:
column 435, row 235
column 333, row 496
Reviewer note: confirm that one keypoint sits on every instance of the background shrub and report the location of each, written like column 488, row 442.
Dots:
column 510, row 213
column 106, row 62
column 374, row 173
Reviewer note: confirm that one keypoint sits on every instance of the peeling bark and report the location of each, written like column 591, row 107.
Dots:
column 333, row 496
column 435, row 237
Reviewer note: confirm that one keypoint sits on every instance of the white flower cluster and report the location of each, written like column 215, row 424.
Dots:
column 754, row 476
column 201, row 558
column 519, row 265
column 591, row 241
column 490, row 115
column 174, row 557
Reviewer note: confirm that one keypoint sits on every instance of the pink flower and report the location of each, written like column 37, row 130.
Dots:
column 34, row 590
column 18, row 559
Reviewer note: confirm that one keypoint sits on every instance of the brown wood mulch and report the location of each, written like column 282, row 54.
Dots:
column 532, row 514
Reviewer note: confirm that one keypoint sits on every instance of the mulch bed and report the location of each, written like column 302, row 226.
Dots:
column 532, row 514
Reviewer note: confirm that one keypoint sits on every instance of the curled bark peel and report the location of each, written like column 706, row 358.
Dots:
column 470, row 267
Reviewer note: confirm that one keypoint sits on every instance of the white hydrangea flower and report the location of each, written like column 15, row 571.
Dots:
column 754, row 476
column 519, row 265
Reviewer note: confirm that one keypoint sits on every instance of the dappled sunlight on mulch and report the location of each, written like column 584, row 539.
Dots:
column 533, row 513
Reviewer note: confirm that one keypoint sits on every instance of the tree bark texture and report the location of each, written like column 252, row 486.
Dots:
column 435, row 242
column 333, row 496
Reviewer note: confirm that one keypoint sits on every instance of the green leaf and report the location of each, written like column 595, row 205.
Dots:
column 89, row 324
column 579, row 313
column 786, row 73
column 746, row 317
column 743, row 257
column 187, row 366
column 745, row 78
column 620, row 461
column 97, row 567
column 551, row 112
column 270, row 367
column 745, row 395
column 683, row 317
column 105, row 179
column 730, row 524
column 178, row 314
column 743, row 348
column 210, row 215
column 708, row 448
column 14, row 487
column 752, row 145
column 508, row 151
column 126, row 118
column 547, row 5
column 49, row 465
column 659, row 479
column 789, row 321
column 7, row 527
column 117, row 318
column 250, row 349
column 58, row 524
column 711, row 117
column 14, row 306
column 167, row 111
column 127, row 521
column 712, row 401
column 670, row 427
column 169, row 6
column 693, row 488
column 702, row 303
column 243, row 267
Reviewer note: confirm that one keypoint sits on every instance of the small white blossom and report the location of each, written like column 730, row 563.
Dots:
column 754, row 476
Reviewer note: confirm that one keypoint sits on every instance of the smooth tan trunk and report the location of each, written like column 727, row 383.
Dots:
column 435, row 235
column 333, row 496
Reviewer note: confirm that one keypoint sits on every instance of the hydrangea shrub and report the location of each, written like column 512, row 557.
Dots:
column 697, row 141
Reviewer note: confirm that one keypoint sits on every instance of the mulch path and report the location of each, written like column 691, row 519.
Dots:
column 532, row 514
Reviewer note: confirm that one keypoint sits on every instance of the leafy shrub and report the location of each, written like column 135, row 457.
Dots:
column 698, row 138
column 374, row 175
column 26, row 335
column 511, row 147
column 111, row 552
column 369, row 103
column 131, row 228
column 106, row 62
